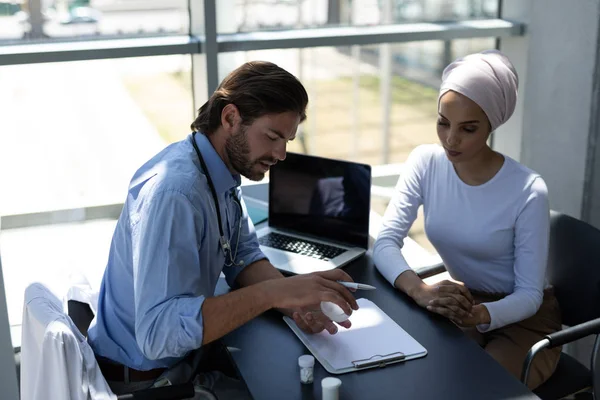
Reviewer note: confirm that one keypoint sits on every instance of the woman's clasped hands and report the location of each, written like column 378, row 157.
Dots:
column 452, row 300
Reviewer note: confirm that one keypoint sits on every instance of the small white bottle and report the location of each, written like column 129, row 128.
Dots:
column 330, row 388
column 307, row 364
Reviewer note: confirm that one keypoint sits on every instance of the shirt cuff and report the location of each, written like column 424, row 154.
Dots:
column 483, row 328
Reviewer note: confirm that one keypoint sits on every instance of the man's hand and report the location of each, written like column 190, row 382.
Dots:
column 310, row 319
column 309, row 290
column 314, row 321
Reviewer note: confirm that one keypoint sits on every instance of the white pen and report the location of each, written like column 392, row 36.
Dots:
column 356, row 286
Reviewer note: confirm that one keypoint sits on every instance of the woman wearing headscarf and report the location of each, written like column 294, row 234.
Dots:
column 485, row 214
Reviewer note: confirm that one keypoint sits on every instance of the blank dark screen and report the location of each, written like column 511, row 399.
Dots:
column 321, row 197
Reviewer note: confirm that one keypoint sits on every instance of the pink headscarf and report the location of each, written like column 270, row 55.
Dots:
column 489, row 79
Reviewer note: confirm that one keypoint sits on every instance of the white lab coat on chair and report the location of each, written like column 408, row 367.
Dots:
column 81, row 290
column 56, row 360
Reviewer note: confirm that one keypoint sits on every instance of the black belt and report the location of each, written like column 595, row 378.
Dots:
column 113, row 371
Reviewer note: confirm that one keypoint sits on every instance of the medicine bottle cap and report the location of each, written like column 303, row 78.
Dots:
column 331, row 383
column 306, row 361
column 330, row 387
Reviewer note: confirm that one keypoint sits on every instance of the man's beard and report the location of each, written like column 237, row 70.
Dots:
column 238, row 153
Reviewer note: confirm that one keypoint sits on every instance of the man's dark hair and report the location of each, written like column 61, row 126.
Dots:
column 256, row 88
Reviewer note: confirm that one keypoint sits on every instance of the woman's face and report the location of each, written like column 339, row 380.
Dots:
column 463, row 127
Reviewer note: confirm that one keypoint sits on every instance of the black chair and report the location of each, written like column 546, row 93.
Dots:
column 574, row 271
column 82, row 317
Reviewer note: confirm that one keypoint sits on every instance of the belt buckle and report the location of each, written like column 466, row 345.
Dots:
column 161, row 382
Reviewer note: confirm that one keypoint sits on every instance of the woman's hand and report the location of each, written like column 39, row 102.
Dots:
column 480, row 316
column 450, row 299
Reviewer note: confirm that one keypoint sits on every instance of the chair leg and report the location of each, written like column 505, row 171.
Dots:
column 595, row 367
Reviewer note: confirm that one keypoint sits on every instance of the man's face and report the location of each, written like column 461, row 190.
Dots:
column 252, row 149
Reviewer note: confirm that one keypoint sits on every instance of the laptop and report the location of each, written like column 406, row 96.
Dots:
column 318, row 213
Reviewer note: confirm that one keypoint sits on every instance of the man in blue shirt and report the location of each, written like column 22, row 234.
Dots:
column 184, row 222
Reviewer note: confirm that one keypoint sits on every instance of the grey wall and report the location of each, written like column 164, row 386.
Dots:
column 557, row 121
column 553, row 131
column 591, row 197
column 508, row 138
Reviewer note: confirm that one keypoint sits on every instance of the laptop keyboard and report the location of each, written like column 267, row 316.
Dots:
column 300, row 246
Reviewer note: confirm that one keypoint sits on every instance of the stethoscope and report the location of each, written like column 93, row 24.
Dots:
column 223, row 241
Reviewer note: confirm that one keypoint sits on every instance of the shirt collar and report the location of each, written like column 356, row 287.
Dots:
column 220, row 175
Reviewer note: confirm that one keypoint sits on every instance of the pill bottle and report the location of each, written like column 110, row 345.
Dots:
column 307, row 364
column 331, row 388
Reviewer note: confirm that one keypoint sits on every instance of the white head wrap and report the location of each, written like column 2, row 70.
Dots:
column 489, row 79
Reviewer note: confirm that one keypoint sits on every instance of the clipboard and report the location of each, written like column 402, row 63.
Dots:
column 373, row 341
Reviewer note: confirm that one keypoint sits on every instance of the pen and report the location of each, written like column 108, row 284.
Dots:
column 356, row 286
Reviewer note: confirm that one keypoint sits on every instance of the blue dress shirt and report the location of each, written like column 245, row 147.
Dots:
column 165, row 257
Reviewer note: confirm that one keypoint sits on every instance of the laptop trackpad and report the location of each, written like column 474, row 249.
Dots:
column 305, row 265
column 277, row 258
column 294, row 263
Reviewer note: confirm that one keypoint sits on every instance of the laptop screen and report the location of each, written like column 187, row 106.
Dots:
column 321, row 197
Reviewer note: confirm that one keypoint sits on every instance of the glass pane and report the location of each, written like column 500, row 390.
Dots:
column 72, row 135
column 56, row 255
column 256, row 15
column 345, row 116
column 40, row 19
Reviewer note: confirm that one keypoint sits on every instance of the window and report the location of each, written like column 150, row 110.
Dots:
column 36, row 20
column 256, row 15
column 73, row 133
column 346, row 117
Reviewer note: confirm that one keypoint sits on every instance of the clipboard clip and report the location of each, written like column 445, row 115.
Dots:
column 381, row 362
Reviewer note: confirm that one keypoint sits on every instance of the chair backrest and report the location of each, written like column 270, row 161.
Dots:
column 56, row 360
column 574, row 268
column 81, row 314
